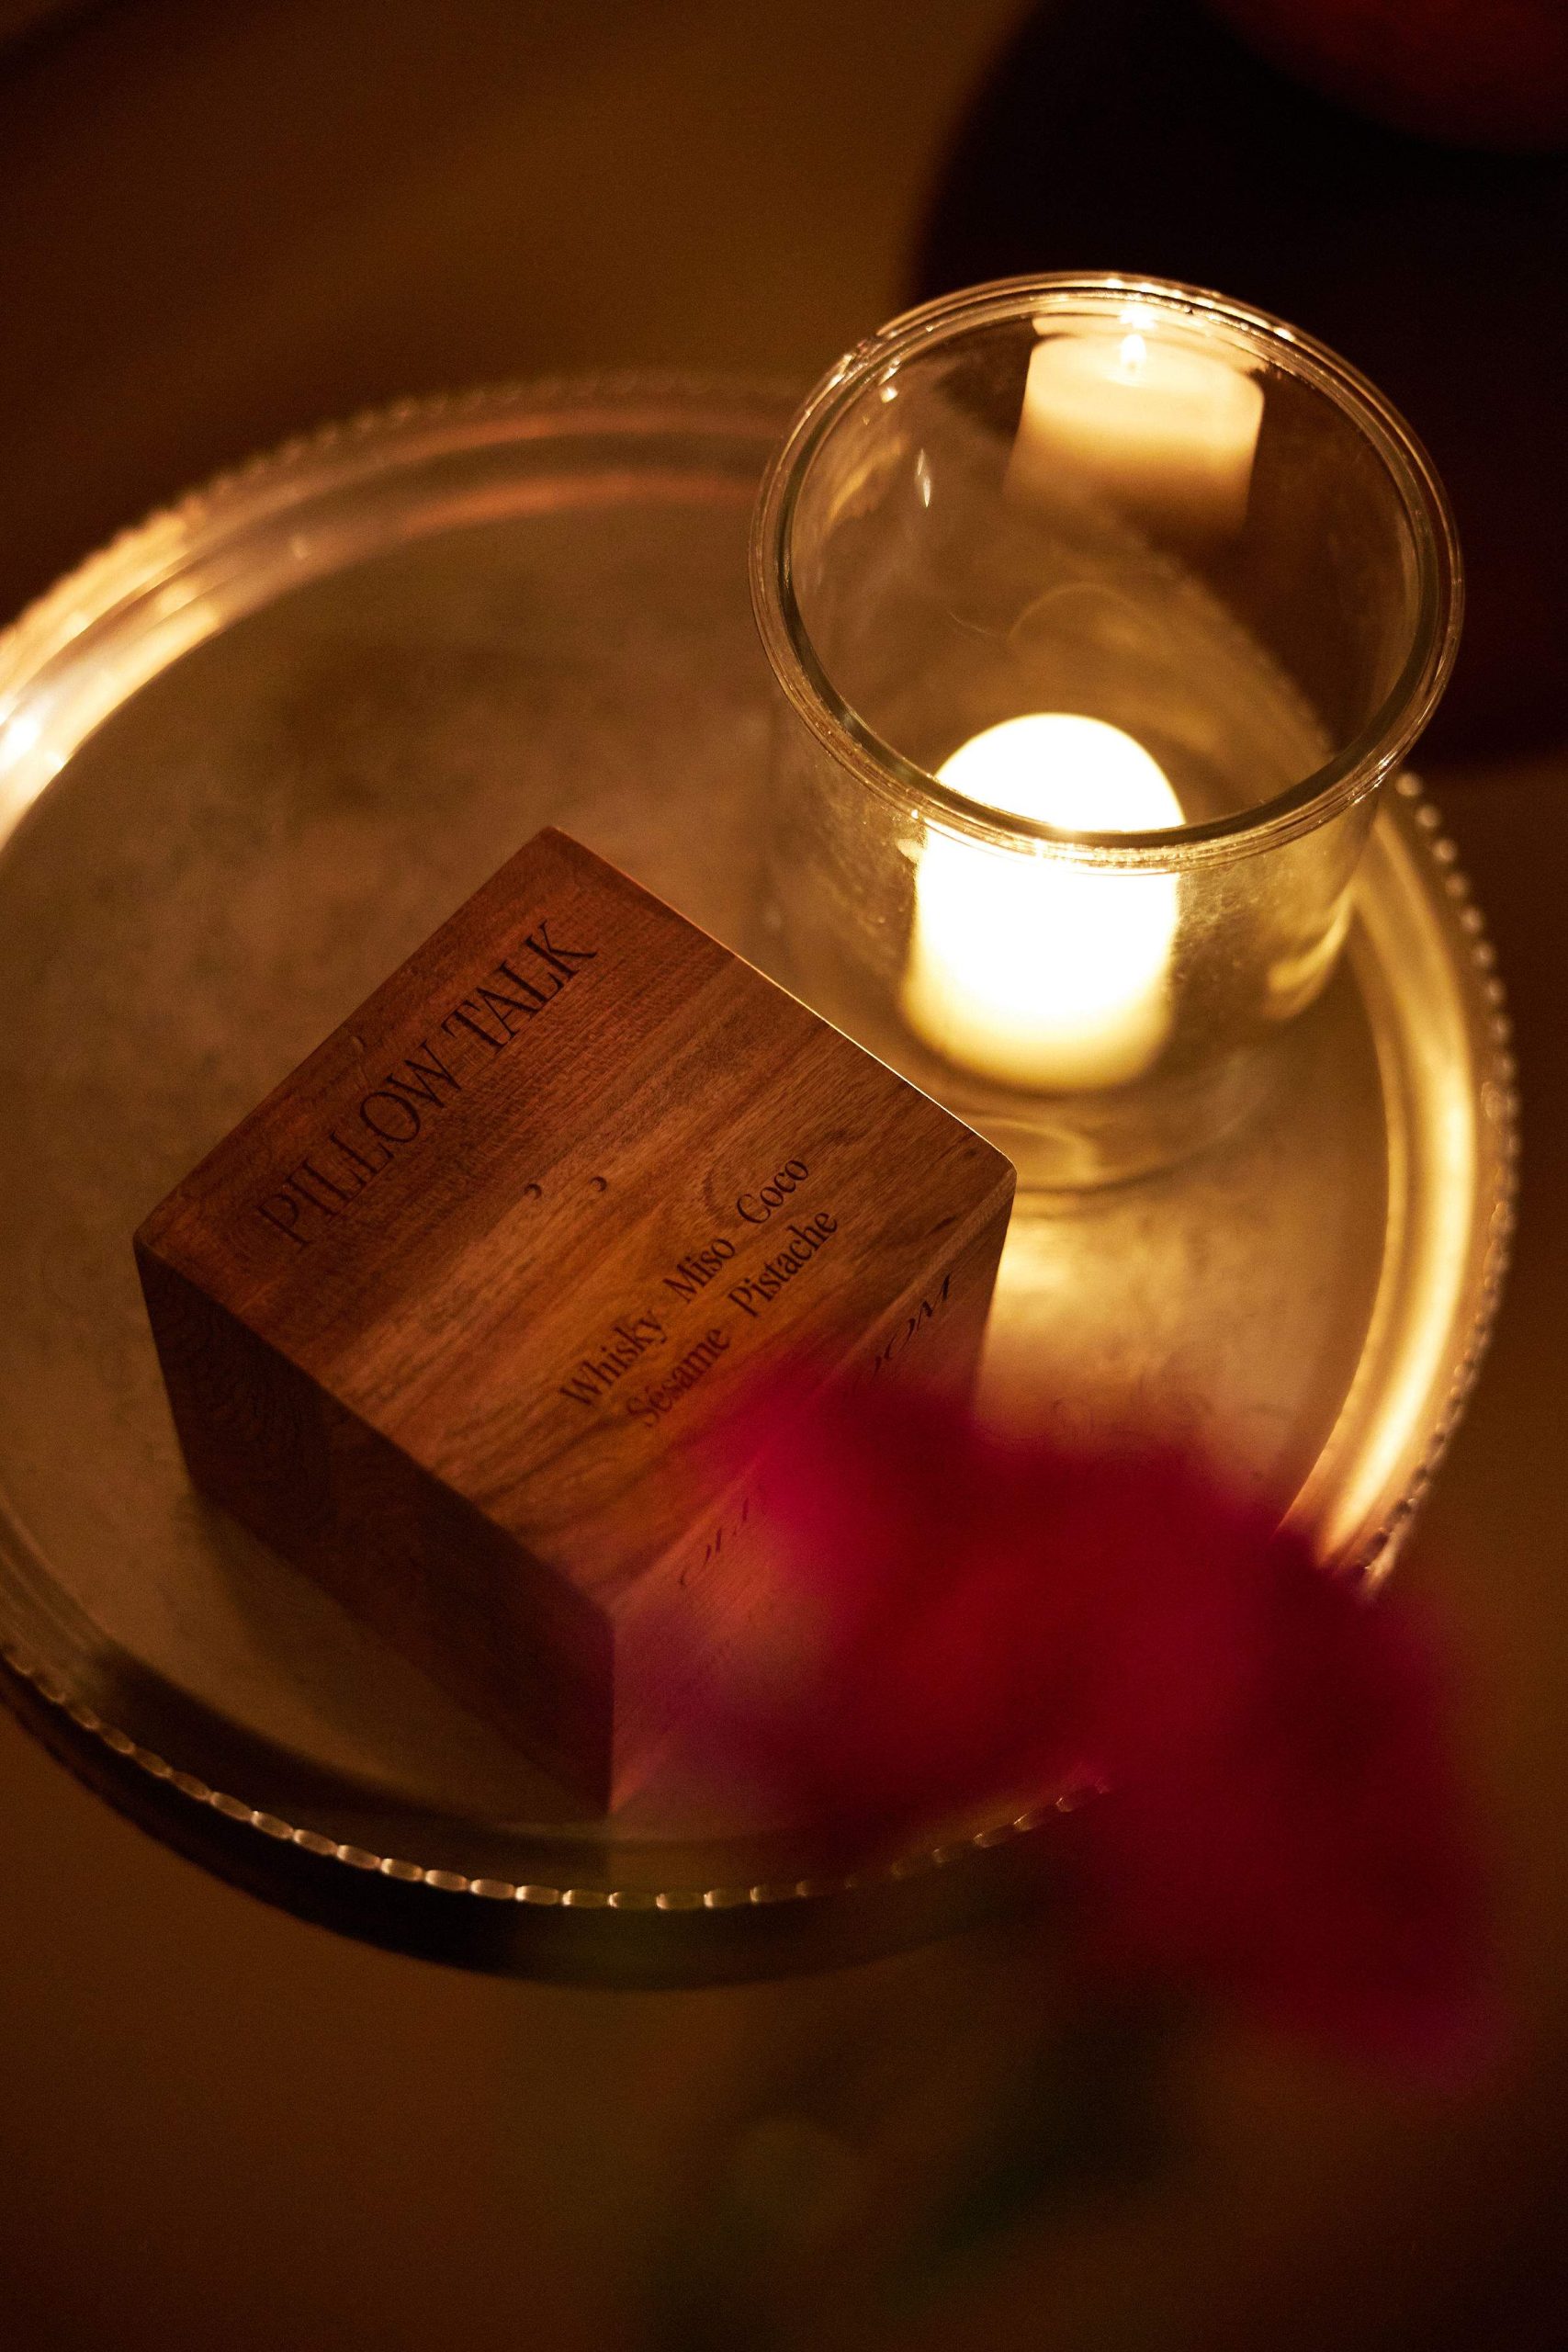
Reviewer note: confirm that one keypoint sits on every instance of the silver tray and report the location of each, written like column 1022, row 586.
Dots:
column 249, row 756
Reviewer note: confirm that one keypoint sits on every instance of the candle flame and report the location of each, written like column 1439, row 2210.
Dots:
column 1038, row 970
column 1134, row 351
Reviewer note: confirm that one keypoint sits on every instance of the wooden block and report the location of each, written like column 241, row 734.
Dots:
column 448, row 1318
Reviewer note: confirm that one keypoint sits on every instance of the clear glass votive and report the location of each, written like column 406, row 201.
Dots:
column 1100, row 608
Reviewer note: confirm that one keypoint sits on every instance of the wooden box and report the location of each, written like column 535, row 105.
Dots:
column 448, row 1318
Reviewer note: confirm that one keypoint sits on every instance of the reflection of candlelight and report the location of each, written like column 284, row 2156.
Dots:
column 1166, row 432
column 1028, row 968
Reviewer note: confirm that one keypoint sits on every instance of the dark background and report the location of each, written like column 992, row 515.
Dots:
column 218, row 225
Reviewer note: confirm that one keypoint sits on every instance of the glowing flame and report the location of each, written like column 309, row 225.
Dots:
column 1035, row 970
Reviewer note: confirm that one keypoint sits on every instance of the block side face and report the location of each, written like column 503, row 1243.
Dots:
column 407, row 1556
column 932, row 1336
column 248, row 1427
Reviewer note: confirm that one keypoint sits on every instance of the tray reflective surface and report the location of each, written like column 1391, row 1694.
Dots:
column 248, row 759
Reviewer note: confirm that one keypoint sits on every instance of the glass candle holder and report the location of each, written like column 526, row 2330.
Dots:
column 1100, row 608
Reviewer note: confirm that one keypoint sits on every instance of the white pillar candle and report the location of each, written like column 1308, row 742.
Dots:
column 1166, row 432
column 1046, row 973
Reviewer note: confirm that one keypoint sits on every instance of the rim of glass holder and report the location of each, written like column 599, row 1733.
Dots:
column 1353, row 772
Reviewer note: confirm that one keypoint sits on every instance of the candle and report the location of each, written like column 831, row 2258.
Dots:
column 1028, row 968
column 1166, row 432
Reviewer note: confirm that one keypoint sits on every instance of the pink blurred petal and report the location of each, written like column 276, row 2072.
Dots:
column 971, row 1617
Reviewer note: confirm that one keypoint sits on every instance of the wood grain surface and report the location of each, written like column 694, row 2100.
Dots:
column 451, row 1316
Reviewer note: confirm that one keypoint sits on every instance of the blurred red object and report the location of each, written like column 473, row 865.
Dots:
column 1277, row 1816
column 1481, row 72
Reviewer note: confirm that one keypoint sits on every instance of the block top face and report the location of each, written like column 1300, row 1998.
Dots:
column 567, row 1174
